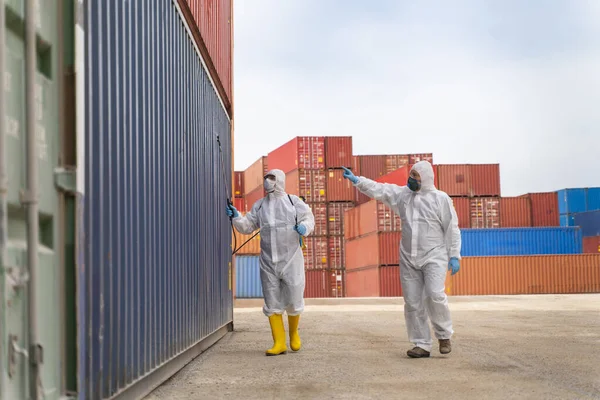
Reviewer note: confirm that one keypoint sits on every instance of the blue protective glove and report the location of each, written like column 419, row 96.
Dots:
column 453, row 265
column 349, row 175
column 232, row 211
column 301, row 229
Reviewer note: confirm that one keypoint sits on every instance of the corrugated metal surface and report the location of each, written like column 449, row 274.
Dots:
column 253, row 197
column 389, row 281
column 252, row 247
column 247, row 277
column 395, row 161
column 372, row 167
column 544, row 209
column 363, row 283
column 375, row 249
column 398, row 177
column 462, row 205
column 515, row 212
column 589, row 223
column 338, row 152
column 304, row 152
column 254, row 175
column 528, row 275
column 485, row 179
column 591, row 244
column 240, row 204
column 519, row 241
column 337, row 254
column 338, row 188
column 415, row 158
column 157, row 243
column 572, row 201
column 214, row 19
column 238, row 183
column 373, row 216
column 485, row 212
column 316, row 253
column 593, row 199
column 335, row 215
column 324, row 283
column 356, row 165
column 320, row 214
column 455, row 180
column 311, row 184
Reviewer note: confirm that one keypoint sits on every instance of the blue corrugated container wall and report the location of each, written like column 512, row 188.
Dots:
column 589, row 223
column 521, row 241
column 572, row 201
column 593, row 199
column 247, row 278
column 567, row 220
column 156, row 256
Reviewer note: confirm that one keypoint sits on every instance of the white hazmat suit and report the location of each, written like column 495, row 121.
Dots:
column 430, row 237
column 281, row 259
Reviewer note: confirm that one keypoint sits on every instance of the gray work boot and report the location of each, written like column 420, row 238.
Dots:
column 417, row 352
column 445, row 346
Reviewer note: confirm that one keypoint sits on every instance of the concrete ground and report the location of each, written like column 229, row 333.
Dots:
column 505, row 347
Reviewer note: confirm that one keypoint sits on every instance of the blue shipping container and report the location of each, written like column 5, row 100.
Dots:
column 567, row 220
column 247, row 277
column 593, row 199
column 154, row 272
column 589, row 223
column 521, row 241
column 572, row 201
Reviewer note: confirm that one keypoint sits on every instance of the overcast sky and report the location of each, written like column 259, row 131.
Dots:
column 507, row 81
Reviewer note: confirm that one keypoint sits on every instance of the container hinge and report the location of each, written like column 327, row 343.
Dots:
column 15, row 278
column 66, row 179
column 13, row 350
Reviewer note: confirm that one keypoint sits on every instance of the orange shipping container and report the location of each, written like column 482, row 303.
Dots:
column 324, row 283
column 485, row 212
column 381, row 248
column 338, row 151
column 254, row 175
column 339, row 188
column 310, row 184
column 316, row 253
column 469, row 179
column 544, row 209
column 303, row 152
column 462, row 205
column 374, row 281
column 250, row 248
column 546, row 274
column 238, row 184
column 373, row 216
column 337, row 254
column 515, row 212
column 240, row 204
column 398, row 177
column 253, row 197
column 591, row 244
column 335, row 215
column 485, row 179
column 393, row 162
column 415, row 158
column 319, row 211
column 389, row 281
column 372, row 167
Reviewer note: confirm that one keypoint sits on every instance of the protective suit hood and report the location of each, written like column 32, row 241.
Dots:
column 279, row 181
column 425, row 169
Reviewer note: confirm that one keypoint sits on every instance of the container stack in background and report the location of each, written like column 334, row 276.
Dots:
column 581, row 207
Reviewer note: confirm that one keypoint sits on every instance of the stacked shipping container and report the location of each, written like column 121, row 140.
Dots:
column 581, row 207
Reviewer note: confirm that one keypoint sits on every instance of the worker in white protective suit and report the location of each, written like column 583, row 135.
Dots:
column 429, row 246
column 282, row 220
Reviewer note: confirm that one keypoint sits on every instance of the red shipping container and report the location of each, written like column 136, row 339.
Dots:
column 335, row 215
column 338, row 151
column 356, row 165
column 515, row 212
column 317, row 284
column 238, row 184
column 214, row 19
column 254, row 196
column 363, row 283
column 370, row 217
column 398, row 177
column 469, row 179
column 485, row 180
column 254, row 175
column 462, row 205
column 455, row 180
column 240, row 204
column 309, row 184
column 316, row 253
column 372, row 167
column 337, row 255
column 393, row 162
column 415, row 158
column 305, row 152
column 485, row 212
column 339, row 188
column 376, row 249
column 338, row 283
column 544, row 209
column 389, row 281
column 320, row 214
column 591, row 244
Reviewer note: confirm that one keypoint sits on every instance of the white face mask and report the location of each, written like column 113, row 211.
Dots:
column 269, row 185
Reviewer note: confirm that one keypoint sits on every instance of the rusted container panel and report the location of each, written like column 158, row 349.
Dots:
column 398, row 177
column 337, row 254
column 393, row 162
column 415, row 158
column 591, row 244
column 551, row 274
column 253, row 197
column 372, row 167
column 485, row 180
column 338, row 151
column 320, row 213
column 238, row 184
column 363, row 282
column 544, row 209
column 310, row 184
column 254, row 175
column 389, row 281
column 339, row 188
column 454, row 179
column 462, row 205
column 374, row 249
column 335, row 216
column 316, row 253
column 317, row 284
column 214, row 19
column 305, row 152
column 485, row 212
column 240, row 203
column 515, row 212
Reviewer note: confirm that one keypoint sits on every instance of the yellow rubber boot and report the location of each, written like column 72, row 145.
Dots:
column 278, row 331
column 295, row 342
